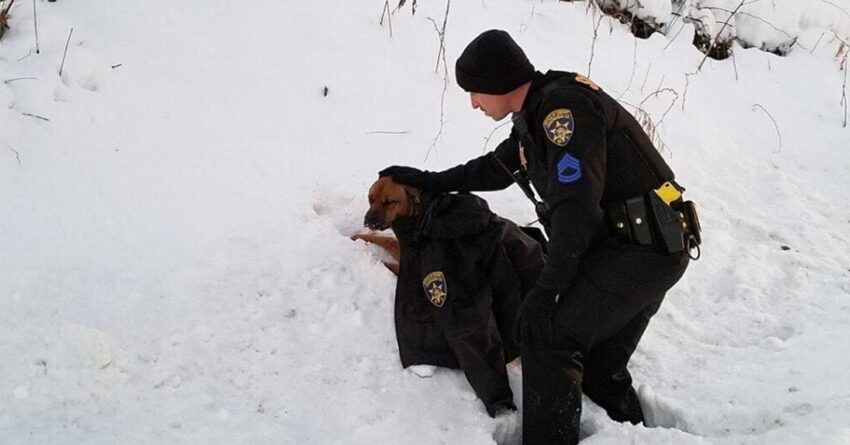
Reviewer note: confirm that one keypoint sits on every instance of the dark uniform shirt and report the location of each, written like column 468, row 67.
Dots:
column 583, row 152
column 463, row 272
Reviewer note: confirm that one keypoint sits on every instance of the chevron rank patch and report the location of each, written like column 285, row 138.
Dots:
column 569, row 169
column 435, row 288
column 559, row 126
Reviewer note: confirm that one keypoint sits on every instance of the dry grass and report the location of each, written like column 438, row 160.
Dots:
column 4, row 16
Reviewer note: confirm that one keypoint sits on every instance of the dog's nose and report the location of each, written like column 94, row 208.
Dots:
column 372, row 220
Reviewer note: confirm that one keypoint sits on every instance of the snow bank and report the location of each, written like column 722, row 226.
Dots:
column 175, row 211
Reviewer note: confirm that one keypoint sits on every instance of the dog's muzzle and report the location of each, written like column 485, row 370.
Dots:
column 374, row 221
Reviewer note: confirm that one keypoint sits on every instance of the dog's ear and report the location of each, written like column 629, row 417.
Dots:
column 414, row 196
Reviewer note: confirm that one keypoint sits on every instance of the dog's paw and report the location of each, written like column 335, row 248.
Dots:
column 423, row 371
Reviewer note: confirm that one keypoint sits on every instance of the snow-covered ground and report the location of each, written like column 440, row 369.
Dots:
column 174, row 256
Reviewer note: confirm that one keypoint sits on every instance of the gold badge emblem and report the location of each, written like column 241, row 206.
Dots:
column 559, row 126
column 435, row 288
column 586, row 81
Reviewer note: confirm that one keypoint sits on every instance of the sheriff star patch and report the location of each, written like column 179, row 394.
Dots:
column 435, row 288
column 559, row 126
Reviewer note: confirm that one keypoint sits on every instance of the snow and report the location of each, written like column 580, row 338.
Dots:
column 175, row 256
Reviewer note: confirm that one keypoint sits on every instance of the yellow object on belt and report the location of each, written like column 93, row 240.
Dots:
column 668, row 193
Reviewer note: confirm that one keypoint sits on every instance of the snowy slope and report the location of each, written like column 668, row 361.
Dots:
column 175, row 260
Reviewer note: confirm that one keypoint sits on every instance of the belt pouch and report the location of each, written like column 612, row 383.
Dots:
column 636, row 209
column 619, row 222
column 669, row 224
column 689, row 209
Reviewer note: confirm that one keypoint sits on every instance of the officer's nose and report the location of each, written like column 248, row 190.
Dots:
column 473, row 101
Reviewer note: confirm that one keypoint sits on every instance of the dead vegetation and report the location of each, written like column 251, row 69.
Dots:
column 4, row 16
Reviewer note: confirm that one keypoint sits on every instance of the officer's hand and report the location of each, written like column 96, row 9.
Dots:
column 534, row 321
column 407, row 175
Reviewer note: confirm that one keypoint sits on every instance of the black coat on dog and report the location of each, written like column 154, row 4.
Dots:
column 462, row 275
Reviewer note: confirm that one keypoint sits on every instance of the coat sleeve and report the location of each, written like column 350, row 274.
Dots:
column 492, row 171
column 574, row 134
column 465, row 317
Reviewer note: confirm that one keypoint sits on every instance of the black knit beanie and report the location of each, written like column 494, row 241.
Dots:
column 493, row 64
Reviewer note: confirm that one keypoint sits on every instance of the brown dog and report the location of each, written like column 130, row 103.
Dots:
column 389, row 201
column 462, row 271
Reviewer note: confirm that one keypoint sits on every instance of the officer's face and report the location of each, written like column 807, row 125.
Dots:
column 494, row 106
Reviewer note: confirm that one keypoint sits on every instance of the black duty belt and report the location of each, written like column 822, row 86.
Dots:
column 660, row 218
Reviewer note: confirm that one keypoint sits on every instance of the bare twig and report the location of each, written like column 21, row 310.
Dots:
column 441, row 56
column 386, row 12
column 4, row 17
column 687, row 84
column 487, row 139
column 656, row 93
column 676, row 15
column 817, row 43
column 716, row 37
column 634, row 66
column 753, row 17
column 66, row 52
column 17, row 155
column 844, row 86
column 441, row 33
column 645, row 77
column 775, row 126
column 19, row 78
column 120, row 65
column 681, row 28
column 36, row 116
column 837, row 7
column 35, row 24
column 388, row 132
column 651, row 129
column 28, row 54
column 593, row 44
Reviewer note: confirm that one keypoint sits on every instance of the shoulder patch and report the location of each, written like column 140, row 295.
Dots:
column 569, row 169
column 436, row 288
column 586, row 81
column 559, row 126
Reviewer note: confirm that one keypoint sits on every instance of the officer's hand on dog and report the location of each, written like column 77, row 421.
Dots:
column 403, row 174
column 534, row 319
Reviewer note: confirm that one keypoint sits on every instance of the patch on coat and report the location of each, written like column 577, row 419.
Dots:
column 559, row 126
column 435, row 288
column 569, row 169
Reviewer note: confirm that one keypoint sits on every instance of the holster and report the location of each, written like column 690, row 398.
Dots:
column 647, row 220
column 669, row 224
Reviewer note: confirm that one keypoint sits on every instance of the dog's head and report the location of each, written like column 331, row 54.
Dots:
column 389, row 201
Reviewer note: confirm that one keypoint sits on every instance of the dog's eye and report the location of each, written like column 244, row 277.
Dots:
column 390, row 202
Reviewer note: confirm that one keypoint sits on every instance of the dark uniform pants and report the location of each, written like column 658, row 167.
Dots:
column 596, row 328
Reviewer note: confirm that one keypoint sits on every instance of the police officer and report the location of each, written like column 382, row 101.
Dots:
column 610, row 259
